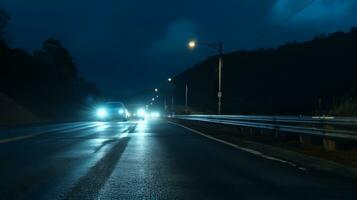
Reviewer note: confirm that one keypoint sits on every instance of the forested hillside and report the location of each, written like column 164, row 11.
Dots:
column 46, row 81
column 313, row 77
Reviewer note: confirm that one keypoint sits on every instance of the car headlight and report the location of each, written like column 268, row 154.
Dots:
column 121, row 111
column 102, row 113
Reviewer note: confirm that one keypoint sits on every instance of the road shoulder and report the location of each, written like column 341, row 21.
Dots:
column 280, row 154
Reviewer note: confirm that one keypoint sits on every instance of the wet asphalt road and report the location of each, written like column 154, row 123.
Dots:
column 147, row 160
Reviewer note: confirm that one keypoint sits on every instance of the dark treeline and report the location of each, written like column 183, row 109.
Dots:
column 314, row 77
column 46, row 81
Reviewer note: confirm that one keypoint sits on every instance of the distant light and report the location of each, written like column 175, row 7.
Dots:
column 121, row 111
column 152, row 99
column 102, row 112
column 192, row 44
column 141, row 112
column 169, row 79
column 156, row 90
column 157, row 96
column 154, row 114
column 323, row 117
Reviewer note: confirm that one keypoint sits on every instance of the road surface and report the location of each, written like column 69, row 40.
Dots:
column 150, row 159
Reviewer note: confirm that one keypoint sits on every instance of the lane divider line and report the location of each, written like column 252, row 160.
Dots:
column 252, row 151
column 13, row 139
column 59, row 129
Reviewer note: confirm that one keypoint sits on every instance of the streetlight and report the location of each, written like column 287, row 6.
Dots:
column 172, row 95
column 156, row 90
column 192, row 44
column 217, row 46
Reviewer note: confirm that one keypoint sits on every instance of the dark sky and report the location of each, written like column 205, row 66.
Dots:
column 128, row 45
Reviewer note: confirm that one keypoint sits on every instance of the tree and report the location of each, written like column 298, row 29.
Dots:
column 295, row 78
column 4, row 20
column 59, row 58
column 47, row 81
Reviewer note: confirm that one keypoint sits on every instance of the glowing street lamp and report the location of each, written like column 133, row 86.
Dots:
column 192, row 44
column 156, row 90
column 172, row 95
column 219, row 47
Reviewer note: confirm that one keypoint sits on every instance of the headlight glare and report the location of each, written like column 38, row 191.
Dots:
column 155, row 114
column 102, row 112
column 141, row 112
column 121, row 111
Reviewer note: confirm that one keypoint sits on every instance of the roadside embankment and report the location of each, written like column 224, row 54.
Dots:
column 12, row 113
column 288, row 146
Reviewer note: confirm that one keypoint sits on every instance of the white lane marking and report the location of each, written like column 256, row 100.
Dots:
column 252, row 151
column 302, row 168
column 59, row 129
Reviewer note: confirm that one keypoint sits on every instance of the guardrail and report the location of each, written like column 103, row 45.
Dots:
column 334, row 127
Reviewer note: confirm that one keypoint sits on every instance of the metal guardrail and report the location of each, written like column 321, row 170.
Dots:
column 335, row 127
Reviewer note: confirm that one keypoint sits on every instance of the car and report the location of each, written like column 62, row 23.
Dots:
column 111, row 111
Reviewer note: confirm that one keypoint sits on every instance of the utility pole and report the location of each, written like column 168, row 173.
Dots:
column 217, row 46
column 170, row 81
column 165, row 105
column 220, row 65
column 172, row 100
column 186, row 98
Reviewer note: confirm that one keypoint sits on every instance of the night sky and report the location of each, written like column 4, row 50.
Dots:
column 129, row 45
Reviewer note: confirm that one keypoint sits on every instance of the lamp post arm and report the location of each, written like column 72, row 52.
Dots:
column 216, row 46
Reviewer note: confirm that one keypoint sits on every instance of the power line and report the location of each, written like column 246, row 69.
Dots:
column 292, row 15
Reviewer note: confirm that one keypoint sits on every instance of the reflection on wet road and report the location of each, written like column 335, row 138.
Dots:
column 51, row 163
column 145, row 160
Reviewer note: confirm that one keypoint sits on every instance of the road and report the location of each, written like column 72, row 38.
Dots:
column 150, row 159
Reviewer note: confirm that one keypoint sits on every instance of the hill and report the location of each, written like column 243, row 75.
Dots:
column 45, row 81
column 12, row 113
column 296, row 78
